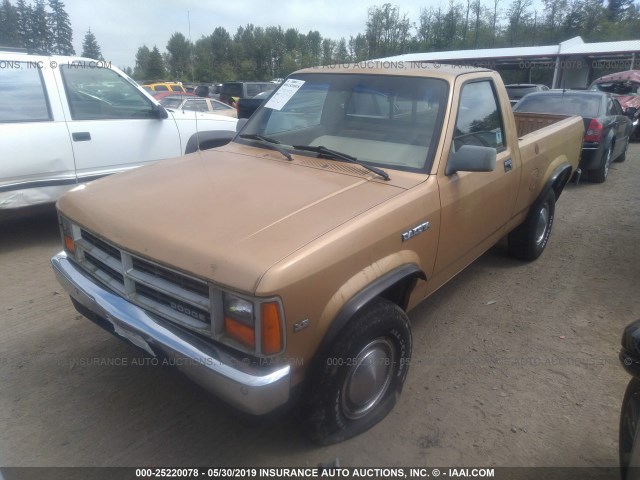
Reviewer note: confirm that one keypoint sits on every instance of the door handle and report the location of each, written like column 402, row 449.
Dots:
column 81, row 136
column 508, row 165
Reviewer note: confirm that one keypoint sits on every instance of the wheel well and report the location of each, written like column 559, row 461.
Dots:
column 395, row 286
column 560, row 182
column 399, row 292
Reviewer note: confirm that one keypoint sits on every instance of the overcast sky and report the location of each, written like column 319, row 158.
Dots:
column 121, row 26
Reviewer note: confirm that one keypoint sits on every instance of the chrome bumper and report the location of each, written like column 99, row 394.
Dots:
column 250, row 388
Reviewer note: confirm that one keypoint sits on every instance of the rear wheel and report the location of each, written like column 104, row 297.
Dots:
column 528, row 240
column 599, row 175
column 362, row 374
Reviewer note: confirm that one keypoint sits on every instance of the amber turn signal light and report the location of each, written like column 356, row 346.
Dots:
column 271, row 328
column 69, row 244
column 240, row 332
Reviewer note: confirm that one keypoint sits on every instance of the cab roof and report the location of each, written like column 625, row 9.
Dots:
column 402, row 68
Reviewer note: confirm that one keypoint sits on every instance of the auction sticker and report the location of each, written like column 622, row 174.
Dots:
column 284, row 94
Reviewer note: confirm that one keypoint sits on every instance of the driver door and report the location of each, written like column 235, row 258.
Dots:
column 112, row 125
column 475, row 206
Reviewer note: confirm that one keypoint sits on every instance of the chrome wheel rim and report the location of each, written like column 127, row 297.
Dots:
column 542, row 225
column 368, row 379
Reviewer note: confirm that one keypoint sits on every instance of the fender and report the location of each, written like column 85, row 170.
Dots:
column 556, row 181
column 381, row 284
column 210, row 139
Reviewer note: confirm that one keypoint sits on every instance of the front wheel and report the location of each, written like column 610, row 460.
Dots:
column 362, row 374
column 528, row 240
column 623, row 156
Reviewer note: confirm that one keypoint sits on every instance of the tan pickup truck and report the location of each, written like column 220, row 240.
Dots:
column 279, row 269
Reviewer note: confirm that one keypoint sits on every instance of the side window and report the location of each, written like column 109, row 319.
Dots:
column 100, row 94
column 479, row 121
column 161, row 88
column 22, row 94
column 196, row 104
column 252, row 90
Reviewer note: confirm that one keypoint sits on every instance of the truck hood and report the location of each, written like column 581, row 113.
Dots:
column 228, row 214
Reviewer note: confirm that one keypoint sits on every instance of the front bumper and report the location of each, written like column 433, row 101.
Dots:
column 237, row 380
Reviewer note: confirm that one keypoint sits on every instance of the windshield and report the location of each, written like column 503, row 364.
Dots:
column 381, row 120
column 567, row 104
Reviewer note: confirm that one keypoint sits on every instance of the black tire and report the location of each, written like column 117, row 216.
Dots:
column 361, row 376
column 623, row 155
column 629, row 422
column 529, row 239
column 600, row 174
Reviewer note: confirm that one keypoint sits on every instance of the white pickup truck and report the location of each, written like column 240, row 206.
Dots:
column 69, row 120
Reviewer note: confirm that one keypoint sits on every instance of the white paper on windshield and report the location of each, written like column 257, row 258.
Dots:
column 284, row 94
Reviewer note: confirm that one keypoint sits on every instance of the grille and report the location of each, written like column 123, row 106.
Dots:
column 170, row 294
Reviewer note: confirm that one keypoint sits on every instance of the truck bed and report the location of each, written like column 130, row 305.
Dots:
column 530, row 122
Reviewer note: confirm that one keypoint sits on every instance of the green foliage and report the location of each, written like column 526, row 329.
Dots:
column 36, row 28
column 9, row 34
column 155, row 65
column 61, row 31
column 90, row 47
column 179, row 57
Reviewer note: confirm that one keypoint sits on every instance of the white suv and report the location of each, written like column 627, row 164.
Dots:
column 68, row 120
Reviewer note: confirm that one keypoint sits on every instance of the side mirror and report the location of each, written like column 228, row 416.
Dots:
column 241, row 123
column 160, row 112
column 471, row 158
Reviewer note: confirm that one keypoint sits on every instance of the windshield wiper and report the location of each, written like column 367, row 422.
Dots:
column 267, row 142
column 327, row 152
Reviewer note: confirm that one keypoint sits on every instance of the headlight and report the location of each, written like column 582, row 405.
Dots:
column 242, row 317
column 68, row 235
column 239, row 321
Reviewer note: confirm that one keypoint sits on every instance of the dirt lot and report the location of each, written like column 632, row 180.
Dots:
column 514, row 364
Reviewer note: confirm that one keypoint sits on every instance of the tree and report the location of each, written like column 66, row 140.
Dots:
column 142, row 63
column 9, row 34
column 179, row 56
column 387, row 32
column 61, row 31
column 90, row 47
column 23, row 25
column 342, row 54
column 40, row 31
column 155, row 66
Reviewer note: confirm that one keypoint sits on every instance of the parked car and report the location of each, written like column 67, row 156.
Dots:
column 209, row 91
column 79, row 120
column 629, row 431
column 246, row 106
column 518, row 90
column 626, row 88
column 198, row 104
column 280, row 268
column 154, row 87
column 230, row 92
column 607, row 129
column 160, row 95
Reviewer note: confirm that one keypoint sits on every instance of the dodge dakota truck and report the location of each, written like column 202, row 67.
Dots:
column 279, row 269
